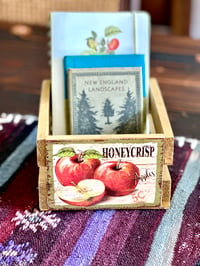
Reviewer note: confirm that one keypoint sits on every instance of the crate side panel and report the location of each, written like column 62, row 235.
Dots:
column 161, row 120
column 43, row 191
column 166, row 193
column 43, row 123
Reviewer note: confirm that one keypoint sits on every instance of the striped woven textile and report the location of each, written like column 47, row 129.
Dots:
column 103, row 237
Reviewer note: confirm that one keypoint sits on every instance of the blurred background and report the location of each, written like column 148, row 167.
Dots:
column 180, row 17
column 175, row 52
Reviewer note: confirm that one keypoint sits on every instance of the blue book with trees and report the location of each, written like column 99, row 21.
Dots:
column 105, row 100
column 105, row 86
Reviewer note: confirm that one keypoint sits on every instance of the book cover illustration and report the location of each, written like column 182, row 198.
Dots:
column 105, row 101
column 106, row 44
column 105, row 61
column 104, row 175
column 68, row 37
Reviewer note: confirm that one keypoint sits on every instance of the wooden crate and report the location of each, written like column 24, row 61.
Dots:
column 161, row 137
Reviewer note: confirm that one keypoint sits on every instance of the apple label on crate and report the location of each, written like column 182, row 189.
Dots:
column 104, row 175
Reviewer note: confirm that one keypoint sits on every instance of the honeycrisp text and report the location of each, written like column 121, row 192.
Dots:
column 128, row 152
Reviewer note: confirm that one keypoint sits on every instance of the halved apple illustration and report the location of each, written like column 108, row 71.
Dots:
column 87, row 192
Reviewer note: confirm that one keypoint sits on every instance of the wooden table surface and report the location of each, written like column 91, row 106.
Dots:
column 175, row 62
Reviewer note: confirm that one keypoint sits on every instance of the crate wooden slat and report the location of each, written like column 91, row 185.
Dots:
column 161, row 120
column 43, row 190
column 43, row 123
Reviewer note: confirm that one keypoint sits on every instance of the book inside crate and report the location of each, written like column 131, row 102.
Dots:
column 160, row 140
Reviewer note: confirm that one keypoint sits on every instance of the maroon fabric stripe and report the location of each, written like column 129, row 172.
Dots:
column 187, row 249
column 7, row 138
column 181, row 155
column 6, row 226
column 115, row 237
column 67, row 240
column 137, row 246
column 43, row 240
column 21, row 194
column 12, row 136
column 8, row 130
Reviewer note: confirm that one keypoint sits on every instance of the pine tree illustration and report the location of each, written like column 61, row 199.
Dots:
column 108, row 111
column 87, row 123
column 127, row 122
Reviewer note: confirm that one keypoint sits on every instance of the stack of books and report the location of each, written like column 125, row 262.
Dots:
column 99, row 72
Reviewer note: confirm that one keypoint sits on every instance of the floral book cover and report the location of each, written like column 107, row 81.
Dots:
column 105, row 174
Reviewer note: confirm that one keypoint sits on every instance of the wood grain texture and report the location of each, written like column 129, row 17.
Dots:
column 161, row 120
column 37, row 12
column 43, row 190
column 177, row 68
column 43, row 123
column 166, row 191
column 180, row 16
column 175, row 63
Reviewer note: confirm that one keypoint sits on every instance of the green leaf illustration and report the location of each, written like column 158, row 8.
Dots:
column 92, row 154
column 111, row 30
column 102, row 42
column 94, row 35
column 65, row 152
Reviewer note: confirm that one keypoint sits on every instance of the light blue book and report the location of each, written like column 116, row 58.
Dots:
column 83, row 33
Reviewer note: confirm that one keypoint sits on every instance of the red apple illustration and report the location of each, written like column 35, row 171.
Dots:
column 70, row 170
column 87, row 192
column 113, row 44
column 120, row 178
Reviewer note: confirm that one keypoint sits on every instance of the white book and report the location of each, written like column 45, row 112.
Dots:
column 70, row 33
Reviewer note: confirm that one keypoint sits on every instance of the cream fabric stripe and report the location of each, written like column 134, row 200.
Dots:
column 13, row 162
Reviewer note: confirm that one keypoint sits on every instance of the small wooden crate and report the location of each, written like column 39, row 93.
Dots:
column 161, row 135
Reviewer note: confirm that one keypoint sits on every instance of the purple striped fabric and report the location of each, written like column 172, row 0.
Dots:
column 103, row 237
